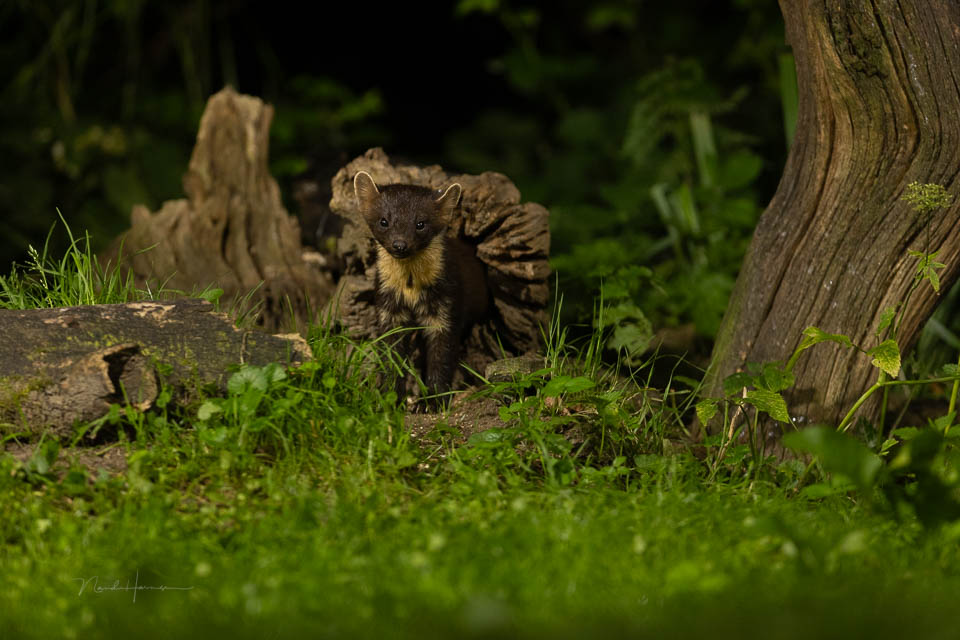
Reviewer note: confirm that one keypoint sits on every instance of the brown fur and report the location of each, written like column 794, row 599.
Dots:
column 425, row 278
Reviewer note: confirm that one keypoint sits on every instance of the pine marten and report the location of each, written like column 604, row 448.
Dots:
column 425, row 278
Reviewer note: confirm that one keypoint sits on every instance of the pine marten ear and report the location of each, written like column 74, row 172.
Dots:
column 366, row 190
column 447, row 203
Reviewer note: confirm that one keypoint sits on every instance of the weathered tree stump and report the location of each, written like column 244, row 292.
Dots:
column 60, row 366
column 512, row 240
column 232, row 231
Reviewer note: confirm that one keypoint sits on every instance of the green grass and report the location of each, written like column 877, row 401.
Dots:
column 298, row 506
column 347, row 553
column 79, row 278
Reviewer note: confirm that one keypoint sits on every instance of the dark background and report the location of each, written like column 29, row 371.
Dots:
column 592, row 109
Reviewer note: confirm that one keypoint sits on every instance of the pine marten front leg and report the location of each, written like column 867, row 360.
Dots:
column 391, row 317
column 433, row 334
column 441, row 349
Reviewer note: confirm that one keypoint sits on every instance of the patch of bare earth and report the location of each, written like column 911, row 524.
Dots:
column 469, row 413
column 111, row 459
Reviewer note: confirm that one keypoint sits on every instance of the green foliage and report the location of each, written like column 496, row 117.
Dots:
column 814, row 335
column 700, row 197
column 886, row 320
column 706, row 409
column 886, row 357
column 627, row 139
column 762, row 385
column 652, row 192
column 927, row 198
column 77, row 278
column 769, row 402
column 465, row 7
column 72, row 141
column 300, row 495
column 615, row 421
column 788, row 94
column 318, row 112
column 274, row 551
column 920, row 480
column 630, row 331
column 101, row 109
column 840, row 454
column 927, row 268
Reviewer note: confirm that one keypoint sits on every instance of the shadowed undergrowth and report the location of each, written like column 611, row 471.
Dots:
column 299, row 502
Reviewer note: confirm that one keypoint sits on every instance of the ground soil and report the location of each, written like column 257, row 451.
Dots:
column 470, row 413
column 110, row 457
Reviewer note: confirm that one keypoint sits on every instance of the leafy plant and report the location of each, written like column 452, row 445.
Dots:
column 574, row 420
column 301, row 494
column 702, row 200
column 915, row 472
column 653, row 191
column 921, row 476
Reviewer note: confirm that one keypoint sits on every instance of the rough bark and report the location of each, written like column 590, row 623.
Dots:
column 60, row 366
column 879, row 87
column 232, row 230
column 512, row 240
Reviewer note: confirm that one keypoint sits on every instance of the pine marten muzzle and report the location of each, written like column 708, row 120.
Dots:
column 425, row 278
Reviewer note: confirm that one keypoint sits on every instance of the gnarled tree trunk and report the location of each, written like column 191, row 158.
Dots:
column 879, row 87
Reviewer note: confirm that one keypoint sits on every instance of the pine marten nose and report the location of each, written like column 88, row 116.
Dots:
column 399, row 245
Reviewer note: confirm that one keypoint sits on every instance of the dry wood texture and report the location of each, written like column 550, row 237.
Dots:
column 512, row 239
column 879, row 87
column 58, row 366
column 232, row 230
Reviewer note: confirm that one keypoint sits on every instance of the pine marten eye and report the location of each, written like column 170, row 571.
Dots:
column 383, row 222
column 420, row 225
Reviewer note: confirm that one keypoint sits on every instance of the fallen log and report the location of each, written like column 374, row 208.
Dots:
column 61, row 366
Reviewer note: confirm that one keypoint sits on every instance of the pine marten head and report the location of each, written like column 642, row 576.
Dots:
column 404, row 218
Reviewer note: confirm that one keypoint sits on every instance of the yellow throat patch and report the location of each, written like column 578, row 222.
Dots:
column 408, row 277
